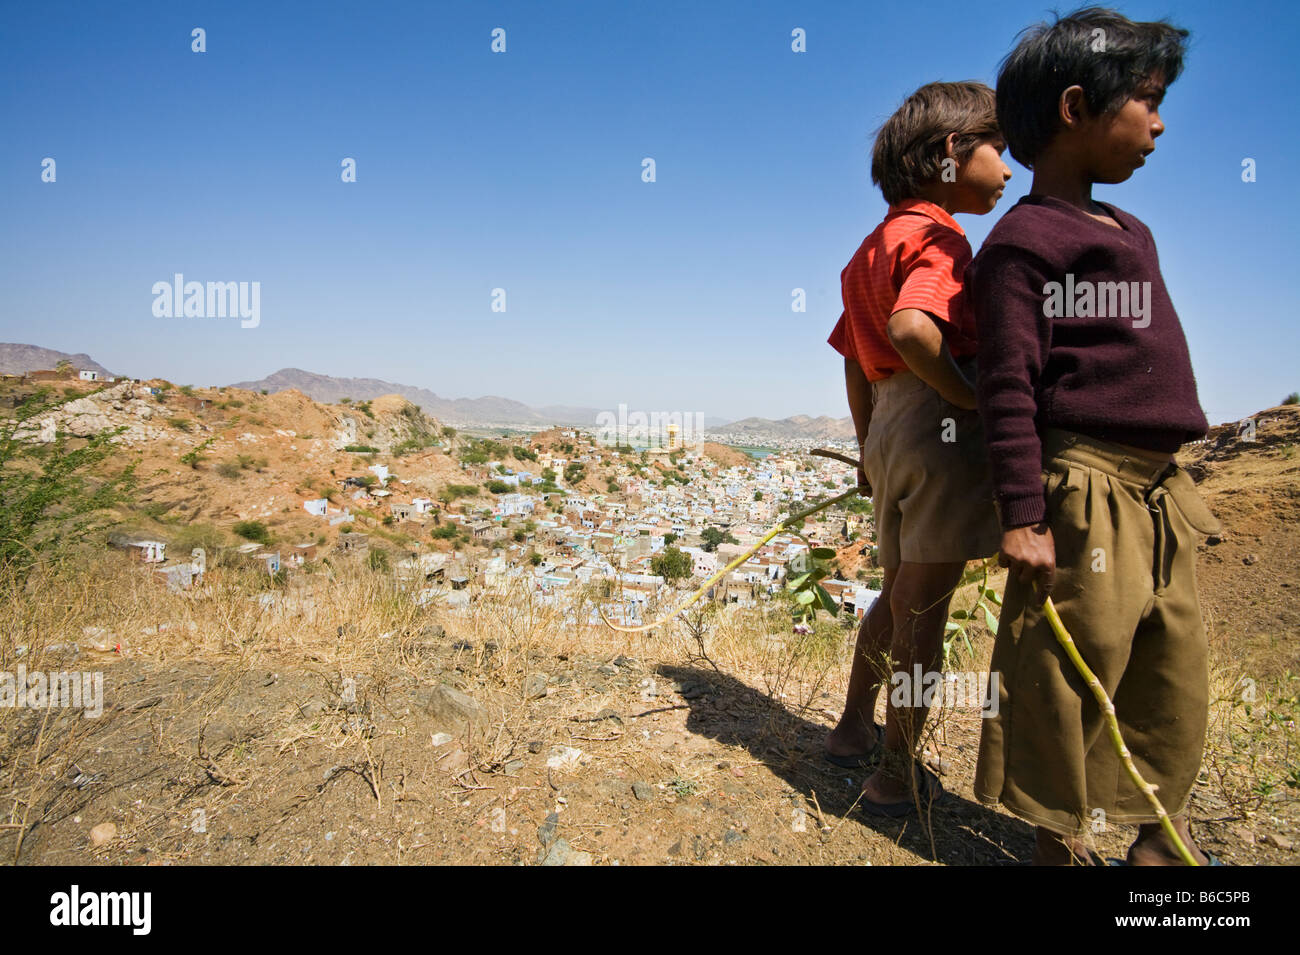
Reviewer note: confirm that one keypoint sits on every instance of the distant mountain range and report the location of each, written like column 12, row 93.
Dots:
column 822, row 428
column 15, row 359
column 488, row 410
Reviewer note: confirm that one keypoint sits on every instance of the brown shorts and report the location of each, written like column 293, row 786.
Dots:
column 1125, row 531
column 926, row 461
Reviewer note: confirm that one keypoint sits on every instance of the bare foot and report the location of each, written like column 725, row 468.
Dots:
column 1153, row 846
column 852, row 738
column 1051, row 848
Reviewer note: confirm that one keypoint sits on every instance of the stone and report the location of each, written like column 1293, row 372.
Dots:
column 449, row 706
column 546, row 831
column 535, row 686
column 643, row 791
column 103, row 834
column 557, row 854
column 1278, row 842
column 732, row 837
column 564, row 758
column 535, row 746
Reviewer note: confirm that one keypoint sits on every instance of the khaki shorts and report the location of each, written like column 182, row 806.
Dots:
column 1126, row 531
column 928, row 467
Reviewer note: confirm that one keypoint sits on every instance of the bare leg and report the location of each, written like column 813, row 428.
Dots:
column 1153, row 847
column 854, row 735
column 919, row 606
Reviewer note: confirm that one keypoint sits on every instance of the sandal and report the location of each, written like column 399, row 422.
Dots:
column 861, row 760
column 928, row 786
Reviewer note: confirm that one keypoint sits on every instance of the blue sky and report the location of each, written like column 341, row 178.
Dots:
column 522, row 171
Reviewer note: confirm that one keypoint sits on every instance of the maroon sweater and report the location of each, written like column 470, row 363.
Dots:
column 1063, row 345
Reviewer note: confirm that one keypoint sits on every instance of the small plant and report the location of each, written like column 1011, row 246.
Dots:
column 683, row 787
column 253, row 531
column 180, row 424
column 195, row 455
column 1292, row 399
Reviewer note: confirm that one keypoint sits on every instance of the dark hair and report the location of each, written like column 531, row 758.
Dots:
column 1105, row 53
column 909, row 148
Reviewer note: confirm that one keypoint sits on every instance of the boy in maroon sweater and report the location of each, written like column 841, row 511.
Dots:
column 1086, row 390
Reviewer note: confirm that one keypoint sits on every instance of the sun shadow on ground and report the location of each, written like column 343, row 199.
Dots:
column 959, row 831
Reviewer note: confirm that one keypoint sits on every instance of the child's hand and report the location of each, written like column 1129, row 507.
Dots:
column 864, row 486
column 1030, row 553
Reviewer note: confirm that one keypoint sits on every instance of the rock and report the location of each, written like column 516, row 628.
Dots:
column 732, row 837
column 643, row 791
column 103, row 834
column 1278, row 842
column 608, row 714
column 557, row 854
column 434, row 632
column 514, row 766
column 1249, row 559
column 454, row 762
column 462, row 645
column 535, row 686
column 535, row 746
column 626, row 663
column 1242, row 834
column 579, row 858
column 676, row 848
column 693, row 691
column 546, row 831
column 607, row 670
column 313, row 708
column 440, row 739
column 564, row 758
column 449, row 706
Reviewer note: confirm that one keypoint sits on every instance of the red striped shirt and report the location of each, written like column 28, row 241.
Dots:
column 915, row 258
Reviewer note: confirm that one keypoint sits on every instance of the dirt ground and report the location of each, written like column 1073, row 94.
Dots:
column 447, row 748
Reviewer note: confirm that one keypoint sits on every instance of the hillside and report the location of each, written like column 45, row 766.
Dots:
column 335, row 720
column 15, row 359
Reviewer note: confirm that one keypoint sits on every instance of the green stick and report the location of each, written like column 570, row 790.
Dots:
column 1112, row 724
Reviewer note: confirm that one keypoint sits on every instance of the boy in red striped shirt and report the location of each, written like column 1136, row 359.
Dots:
column 908, row 339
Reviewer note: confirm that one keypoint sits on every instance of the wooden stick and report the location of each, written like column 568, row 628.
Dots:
column 1112, row 724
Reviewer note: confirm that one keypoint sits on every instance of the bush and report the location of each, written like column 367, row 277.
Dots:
column 377, row 560
column 253, row 531
column 180, row 424
column 1292, row 399
column 672, row 564
column 51, row 494
column 498, row 487
column 361, row 449
column 229, row 470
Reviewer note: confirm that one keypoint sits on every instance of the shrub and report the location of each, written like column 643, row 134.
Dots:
column 180, row 424
column 1292, row 399
column 253, row 531
column 229, row 470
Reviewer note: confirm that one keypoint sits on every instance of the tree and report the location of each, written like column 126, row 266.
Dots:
column 1292, row 399
column 758, row 495
column 671, row 565
column 713, row 536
